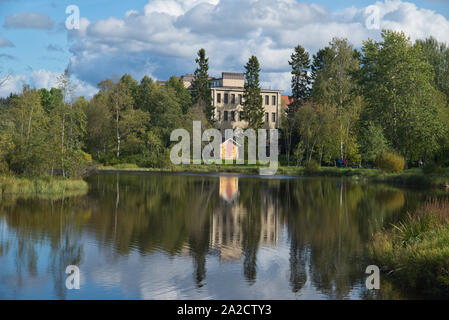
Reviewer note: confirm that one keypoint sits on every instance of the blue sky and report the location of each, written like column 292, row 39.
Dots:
column 160, row 38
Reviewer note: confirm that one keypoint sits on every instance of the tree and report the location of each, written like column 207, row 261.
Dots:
column 314, row 124
column 336, row 88
column 27, row 120
column 437, row 55
column 372, row 141
column 120, row 100
column 182, row 94
column 4, row 79
column 253, row 110
column 100, row 129
column 396, row 82
column 301, row 80
column 200, row 85
column 70, row 122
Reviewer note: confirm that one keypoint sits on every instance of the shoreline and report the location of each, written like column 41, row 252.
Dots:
column 414, row 254
column 410, row 177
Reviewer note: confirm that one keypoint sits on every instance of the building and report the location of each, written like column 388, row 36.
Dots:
column 229, row 150
column 287, row 101
column 227, row 98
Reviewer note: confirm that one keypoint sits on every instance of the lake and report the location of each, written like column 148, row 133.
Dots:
column 188, row 236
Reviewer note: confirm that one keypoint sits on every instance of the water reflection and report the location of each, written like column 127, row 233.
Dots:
column 133, row 237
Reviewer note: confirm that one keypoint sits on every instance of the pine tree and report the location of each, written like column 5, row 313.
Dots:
column 253, row 110
column 301, row 80
column 200, row 86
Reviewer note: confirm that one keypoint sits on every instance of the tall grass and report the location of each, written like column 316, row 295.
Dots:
column 41, row 186
column 417, row 249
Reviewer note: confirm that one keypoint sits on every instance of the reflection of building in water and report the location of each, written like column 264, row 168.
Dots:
column 227, row 233
column 227, row 229
column 269, row 233
column 229, row 188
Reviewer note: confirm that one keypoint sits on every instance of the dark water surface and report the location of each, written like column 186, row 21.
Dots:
column 162, row 236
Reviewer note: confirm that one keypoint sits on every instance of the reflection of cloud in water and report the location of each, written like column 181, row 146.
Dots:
column 170, row 236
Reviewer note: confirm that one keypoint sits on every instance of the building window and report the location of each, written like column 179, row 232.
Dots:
column 266, row 117
column 225, row 116
column 240, row 115
column 274, row 100
column 267, row 100
column 218, row 97
column 240, row 99
column 218, row 115
column 232, row 116
column 226, row 98
column 273, row 117
column 233, row 98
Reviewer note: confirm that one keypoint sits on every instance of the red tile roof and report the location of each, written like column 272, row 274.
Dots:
column 288, row 100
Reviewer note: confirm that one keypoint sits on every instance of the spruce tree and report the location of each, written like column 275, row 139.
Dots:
column 200, row 86
column 301, row 80
column 253, row 110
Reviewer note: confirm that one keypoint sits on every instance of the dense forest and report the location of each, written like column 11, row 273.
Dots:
column 391, row 96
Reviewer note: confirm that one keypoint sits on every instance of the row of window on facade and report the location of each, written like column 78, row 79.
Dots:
column 240, row 97
column 238, row 115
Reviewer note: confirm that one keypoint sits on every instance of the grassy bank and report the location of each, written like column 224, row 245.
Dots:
column 411, row 177
column 415, row 252
column 42, row 186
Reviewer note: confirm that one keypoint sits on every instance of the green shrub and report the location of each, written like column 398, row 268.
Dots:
column 417, row 249
column 432, row 168
column 390, row 161
column 312, row 166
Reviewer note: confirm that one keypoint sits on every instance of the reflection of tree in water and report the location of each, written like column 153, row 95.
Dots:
column 199, row 235
column 334, row 219
column 36, row 222
column 298, row 274
column 259, row 198
column 328, row 221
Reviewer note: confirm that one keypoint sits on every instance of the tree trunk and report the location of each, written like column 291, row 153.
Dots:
column 117, row 115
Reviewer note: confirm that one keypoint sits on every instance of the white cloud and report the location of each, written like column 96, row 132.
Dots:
column 44, row 79
column 162, row 39
column 12, row 85
column 29, row 20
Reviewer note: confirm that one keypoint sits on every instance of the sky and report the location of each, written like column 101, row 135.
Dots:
column 160, row 38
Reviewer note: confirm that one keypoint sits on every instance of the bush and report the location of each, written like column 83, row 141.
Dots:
column 390, row 161
column 312, row 166
column 432, row 168
column 416, row 250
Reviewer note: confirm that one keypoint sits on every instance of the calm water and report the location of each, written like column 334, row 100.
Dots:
column 161, row 236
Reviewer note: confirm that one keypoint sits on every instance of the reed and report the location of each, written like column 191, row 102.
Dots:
column 416, row 251
column 47, row 186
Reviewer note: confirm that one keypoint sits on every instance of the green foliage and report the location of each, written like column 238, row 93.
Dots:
column 316, row 130
column 42, row 132
column 301, row 80
column 390, row 161
column 253, row 111
column 397, row 83
column 372, row 141
column 417, row 249
column 312, row 166
column 200, row 85
column 182, row 94
column 433, row 168
column 437, row 55
column 336, row 88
